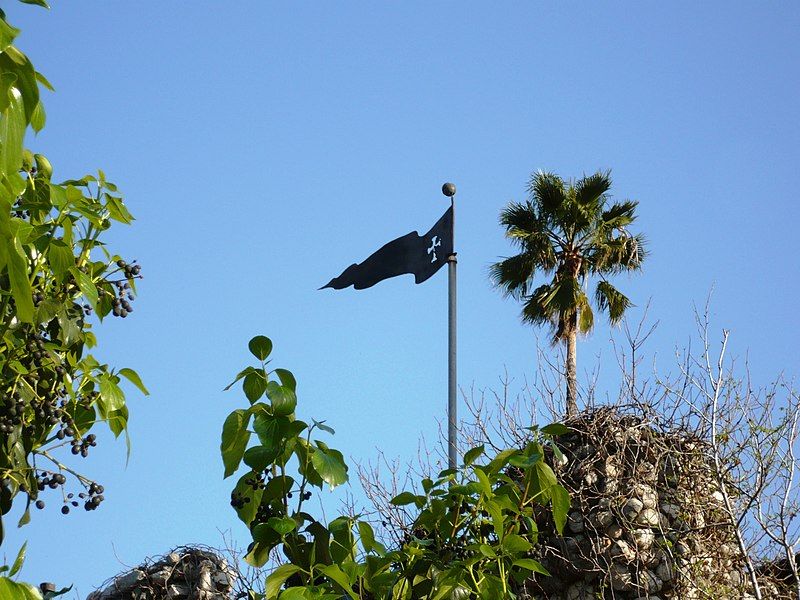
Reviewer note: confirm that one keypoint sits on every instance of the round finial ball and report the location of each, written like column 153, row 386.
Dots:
column 449, row 189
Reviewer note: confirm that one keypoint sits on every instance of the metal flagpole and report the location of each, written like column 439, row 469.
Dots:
column 449, row 190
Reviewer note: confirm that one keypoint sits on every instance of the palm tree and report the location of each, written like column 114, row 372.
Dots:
column 570, row 232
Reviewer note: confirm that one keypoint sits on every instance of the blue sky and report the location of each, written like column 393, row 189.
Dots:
column 263, row 147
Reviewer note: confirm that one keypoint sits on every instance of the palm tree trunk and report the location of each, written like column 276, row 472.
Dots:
column 572, row 372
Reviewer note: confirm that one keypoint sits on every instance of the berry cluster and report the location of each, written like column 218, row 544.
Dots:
column 131, row 271
column 46, row 404
column 256, row 482
column 238, row 500
column 264, row 513
column 55, row 480
column 92, row 499
column 121, row 304
column 11, row 415
column 81, row 446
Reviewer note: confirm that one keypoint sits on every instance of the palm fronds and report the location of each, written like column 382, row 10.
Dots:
column 611, row 300
column 568, row 231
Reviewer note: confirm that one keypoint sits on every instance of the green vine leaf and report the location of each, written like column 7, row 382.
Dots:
column 134, row 378
column 330, row 465
column 260, row 346
column 235, row 437
column 277, row 578
column 254, row 385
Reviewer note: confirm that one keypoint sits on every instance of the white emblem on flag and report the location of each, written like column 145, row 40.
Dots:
column 435, row 242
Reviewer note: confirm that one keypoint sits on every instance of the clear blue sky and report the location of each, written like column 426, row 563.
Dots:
column 264, row 147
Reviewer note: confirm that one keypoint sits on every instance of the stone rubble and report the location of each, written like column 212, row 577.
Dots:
column 646, row 521
column 187, row 573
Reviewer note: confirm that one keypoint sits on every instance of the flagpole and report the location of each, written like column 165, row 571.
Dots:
column 449, row 190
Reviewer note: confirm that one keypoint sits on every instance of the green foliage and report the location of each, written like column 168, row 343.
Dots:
column 474, row 529
column 55, row 271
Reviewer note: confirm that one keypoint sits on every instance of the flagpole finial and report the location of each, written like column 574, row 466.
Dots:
column 449, row 189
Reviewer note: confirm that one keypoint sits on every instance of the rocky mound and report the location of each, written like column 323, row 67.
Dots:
column 647, row 518
column 186, row 573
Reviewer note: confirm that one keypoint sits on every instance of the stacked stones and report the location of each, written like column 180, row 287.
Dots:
column 184, row 574
column 646, row 520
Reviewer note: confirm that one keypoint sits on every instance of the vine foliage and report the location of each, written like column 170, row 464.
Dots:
column 55, row 273
column 474, row 530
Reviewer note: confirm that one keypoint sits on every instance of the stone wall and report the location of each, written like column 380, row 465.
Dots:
column 186, row 573
column 646, row 521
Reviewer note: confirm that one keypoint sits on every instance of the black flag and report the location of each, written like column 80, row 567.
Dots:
column 412, row 253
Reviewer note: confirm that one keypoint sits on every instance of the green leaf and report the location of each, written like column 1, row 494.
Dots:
column 86, row 285
column 543, row 480
column 84, row 417
column 258, row 457
column 277, row 487
column 12, row 132
column 404, row 498
column 254, row 385
column 555, row 429
column 283, row 399
column 25, row 518
column 252, row 497
column 70, row 330
column 260, row 346
column 523, row 461
column 235, row 437
column 491, row 588
column 43, row 80
column 7, row 34
column 496, row 513
column 111, row 396
column 330, row 465
column 60, row 257
column 295, row 593
column 282, row 525
column 513, row 544
column 270, row 430
column 305, row 467
column 277, row 578
column 368, row 540
column 12, row 255
column 41, row 3
column 117, row 209
column 18, row 561
column 487, row 551
column 472, row 455
column 7, row 81
column 134, row 378
column 11, row 590
column 561, row 503
column 258, row 554
column 118, row 421
column 334, row 573
column 38, row 118
column 287, row 379
column 531, row 565
column 266, row 535
column 486, row 485
column 243, row 373
column 321, row 425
